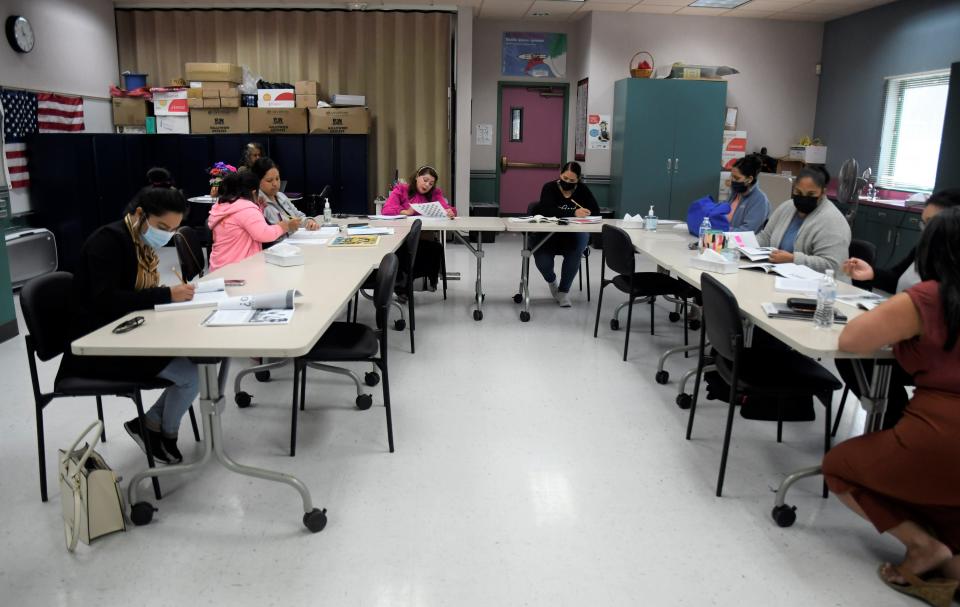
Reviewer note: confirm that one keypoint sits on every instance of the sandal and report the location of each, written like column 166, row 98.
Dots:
column 935, row 591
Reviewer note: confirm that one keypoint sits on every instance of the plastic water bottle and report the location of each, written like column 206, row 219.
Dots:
column 704, row 228
column 327, row 213
column 651, row 220
column 826, row 299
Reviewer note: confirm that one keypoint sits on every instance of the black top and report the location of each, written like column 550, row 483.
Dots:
column 554, row 204
column 103, row 292
column 886, row 279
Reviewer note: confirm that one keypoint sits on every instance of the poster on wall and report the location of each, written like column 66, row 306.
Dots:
column 580, row 138
column 598, row 132
column 534, row 54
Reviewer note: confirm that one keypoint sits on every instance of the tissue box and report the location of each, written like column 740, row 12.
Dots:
column 717, row 267
column 283, row 260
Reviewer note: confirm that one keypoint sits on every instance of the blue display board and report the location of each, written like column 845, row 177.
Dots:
column 534, row 54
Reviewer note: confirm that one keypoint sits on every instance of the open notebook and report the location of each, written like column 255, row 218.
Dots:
column 208, row 294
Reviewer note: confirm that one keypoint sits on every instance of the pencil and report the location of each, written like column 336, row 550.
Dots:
column 577, row 203
column 180, row 276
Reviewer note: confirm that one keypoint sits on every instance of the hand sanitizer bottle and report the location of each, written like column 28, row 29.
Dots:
column 327, row 213
column 651, row 220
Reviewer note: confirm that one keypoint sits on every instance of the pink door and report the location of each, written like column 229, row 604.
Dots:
column 531, row 133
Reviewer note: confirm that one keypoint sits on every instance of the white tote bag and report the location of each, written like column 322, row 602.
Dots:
column 89, row 493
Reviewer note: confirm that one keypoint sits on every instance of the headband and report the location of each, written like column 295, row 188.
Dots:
column 426, row 166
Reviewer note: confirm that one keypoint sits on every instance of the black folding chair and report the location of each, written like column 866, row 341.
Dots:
column 531, row 208
column 351, row 342
column 193, row 261
column 619, row 256
column 45, row 301
column 773, row 374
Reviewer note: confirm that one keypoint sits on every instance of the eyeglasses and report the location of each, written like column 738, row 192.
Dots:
column 129, row 325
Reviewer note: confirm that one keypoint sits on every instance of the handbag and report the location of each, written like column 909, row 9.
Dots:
column 708, row 207
column 89, row 492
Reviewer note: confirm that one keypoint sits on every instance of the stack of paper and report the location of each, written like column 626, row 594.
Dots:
column 274, row 308
column 387, row 217
column 429, row 209
column 207, row 294
column 368, row 231
column 796, row 285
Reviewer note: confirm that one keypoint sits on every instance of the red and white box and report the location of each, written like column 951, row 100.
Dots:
column 170, row 103
column 179, row 125
column 276, row 98
column 734, row 148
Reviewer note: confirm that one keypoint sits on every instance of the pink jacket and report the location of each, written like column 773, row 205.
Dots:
column 399, row 200
column 238, row 228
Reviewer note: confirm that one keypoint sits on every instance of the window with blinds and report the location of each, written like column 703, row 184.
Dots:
column 913, row 111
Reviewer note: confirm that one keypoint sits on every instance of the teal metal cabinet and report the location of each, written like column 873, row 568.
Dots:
column 8, row 315
column 667, row 137
column 907, row 237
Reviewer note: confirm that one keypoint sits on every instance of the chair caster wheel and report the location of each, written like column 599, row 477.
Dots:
column 674, row 316
column 315, row 520
column 370, row 378
column 784, row 515
column 694, row 325
column 399, row 324
column 243, row 399
column 684, row 401
column 524, row 316
column 662, row 377
column 614, row 324
column 517, row 298
column 477, row 315
column 364, row 402
column 262, row 376
column 142, row 513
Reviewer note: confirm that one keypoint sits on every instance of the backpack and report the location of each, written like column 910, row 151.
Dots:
column 708, row 207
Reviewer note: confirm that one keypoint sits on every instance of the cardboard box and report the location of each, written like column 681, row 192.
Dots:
column 340, row 121
column 305, row 87
column 789, row 167
column 122, row 129
column 171, row 103
column 349, row 100
column 796, row 152
column 734, row 148
column 229, row 102
column 216, row 72
column 194, row 102
column 307, row 101
column 727, row 160
column 173, row 124
column 276, row 98
column 208, row 93
column 211, row 103
column 194, row 93
column 230, row 91
column 212, row 84
column 129, row 111
column 725, row 190
column 280, row 121
column 811, row 154
column 220, row 122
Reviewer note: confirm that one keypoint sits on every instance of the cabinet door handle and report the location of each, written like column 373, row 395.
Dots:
column 676, row 164
column 896, row 241
column 888, row 236
column 669, row 165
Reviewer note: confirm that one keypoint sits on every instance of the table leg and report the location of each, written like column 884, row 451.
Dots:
column 212, row 405
column 478, row 285
column 523, row 295
column 874, row 400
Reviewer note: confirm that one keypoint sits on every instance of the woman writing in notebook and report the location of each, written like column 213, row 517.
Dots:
column 905, row 480
column 811, row 232
column 421, row 187
column 563, row 197
column 275, row 204
column 238, row 226
column 118, row 274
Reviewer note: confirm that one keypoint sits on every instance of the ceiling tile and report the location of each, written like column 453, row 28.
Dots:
column 554, row 8
column 511, row 9
column 746, row 13
column 627, row 3
column 652, row 8
column 816, row 8
column 791, row 16
column 607, row 6
column 773, row 5
column 666, row 2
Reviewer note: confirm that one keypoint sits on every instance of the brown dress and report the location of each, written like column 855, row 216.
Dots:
column 912, row 471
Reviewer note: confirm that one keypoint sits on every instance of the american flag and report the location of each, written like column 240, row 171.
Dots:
column 19, row 121
column 59, row 113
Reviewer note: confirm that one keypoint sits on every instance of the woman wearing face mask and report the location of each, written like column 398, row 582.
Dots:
column 276, row 205
column 118, row 274
column 563, row 197
column 897, row 279
column 811, row 232
column 421, row 187
column 749, row 207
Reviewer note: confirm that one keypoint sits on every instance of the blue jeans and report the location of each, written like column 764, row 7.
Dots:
column 165, row 415
column 570, row 246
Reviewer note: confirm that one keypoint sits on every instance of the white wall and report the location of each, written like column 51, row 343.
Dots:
column 75, row 53
column 487, row 38
column 775, row 91
column 464, row 82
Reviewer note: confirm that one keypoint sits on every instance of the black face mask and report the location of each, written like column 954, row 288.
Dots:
column 805, row 204
column 566, row 186
column 739, row 187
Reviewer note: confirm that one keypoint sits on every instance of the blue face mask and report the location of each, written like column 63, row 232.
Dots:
column 156, row 237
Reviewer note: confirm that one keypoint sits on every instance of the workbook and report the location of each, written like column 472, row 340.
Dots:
column 787, row 270
column 369, row 231
column 275, row 308
column 355, row 241
column 782, row 310
column 534, row 219
column 207, row 294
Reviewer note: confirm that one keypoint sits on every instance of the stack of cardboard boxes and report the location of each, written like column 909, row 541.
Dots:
column 212, row 105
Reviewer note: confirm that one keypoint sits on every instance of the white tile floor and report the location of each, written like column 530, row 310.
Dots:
column 533, row 467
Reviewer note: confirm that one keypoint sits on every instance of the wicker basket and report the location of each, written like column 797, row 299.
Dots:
column 641, row 73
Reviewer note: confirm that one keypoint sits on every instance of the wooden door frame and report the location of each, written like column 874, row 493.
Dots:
column 502, row 84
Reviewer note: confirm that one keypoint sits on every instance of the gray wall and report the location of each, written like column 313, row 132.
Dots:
column 859, row 51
